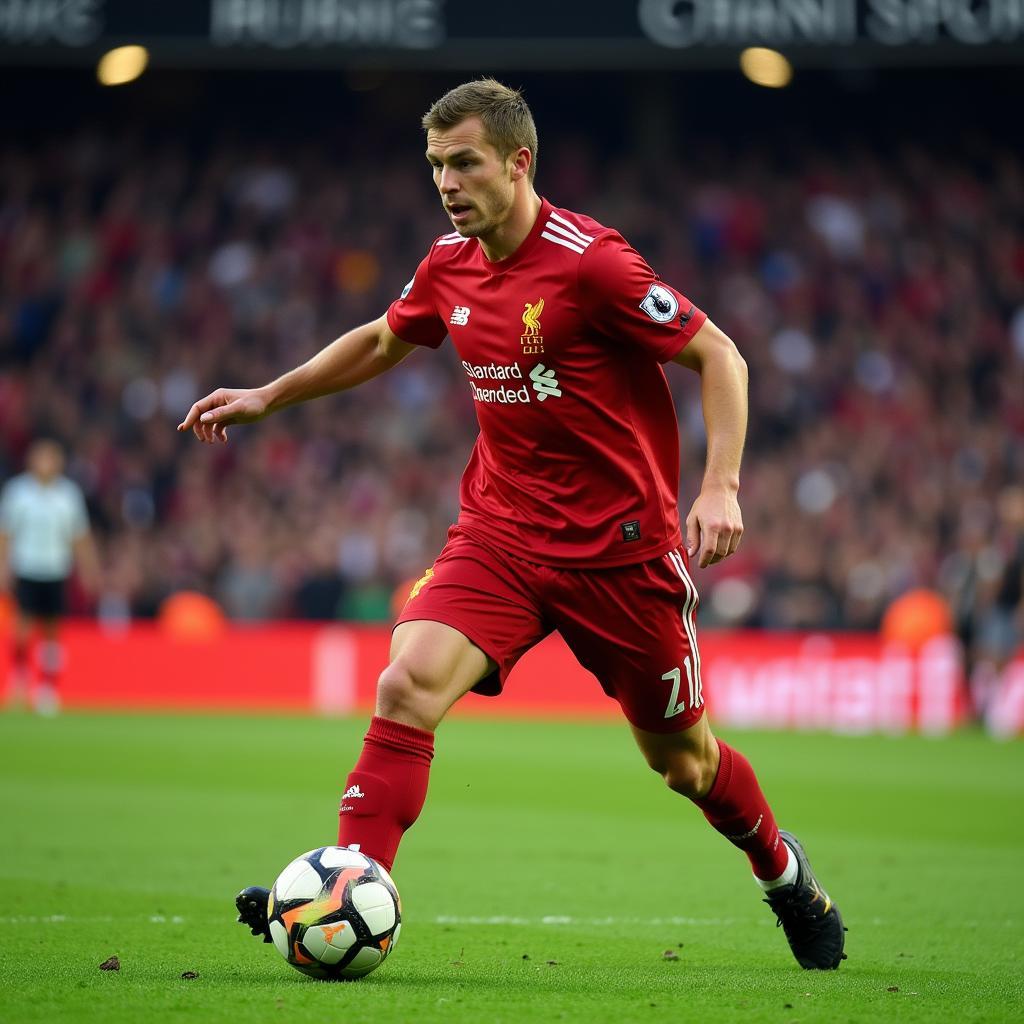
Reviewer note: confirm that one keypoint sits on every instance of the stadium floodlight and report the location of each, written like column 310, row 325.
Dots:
column 766, row 67
column 122, row 65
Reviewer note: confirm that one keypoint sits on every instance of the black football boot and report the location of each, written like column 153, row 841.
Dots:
column 808, row 916
column 252, row 910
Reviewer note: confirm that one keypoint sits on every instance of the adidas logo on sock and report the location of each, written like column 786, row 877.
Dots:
column 353, row 793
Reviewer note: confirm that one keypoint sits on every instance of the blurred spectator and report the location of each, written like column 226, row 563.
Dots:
column 990, row 586
column 321, row 590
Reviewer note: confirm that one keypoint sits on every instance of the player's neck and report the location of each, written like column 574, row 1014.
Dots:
column 500, row 243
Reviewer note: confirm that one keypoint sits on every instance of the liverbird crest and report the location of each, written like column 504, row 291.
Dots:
column 531, row 317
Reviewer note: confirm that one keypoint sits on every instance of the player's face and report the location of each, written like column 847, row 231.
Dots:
column 476, row 184
column 45, row 460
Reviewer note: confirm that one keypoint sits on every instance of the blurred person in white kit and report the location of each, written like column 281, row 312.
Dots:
column 44, row 535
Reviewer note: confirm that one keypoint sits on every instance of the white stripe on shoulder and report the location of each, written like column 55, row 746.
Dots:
column 569, row 224
column 565, row 233
column 563, row 241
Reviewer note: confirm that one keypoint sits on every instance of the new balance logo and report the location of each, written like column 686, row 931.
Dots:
column 545, row 383
column 460, row 316
column 353, row 793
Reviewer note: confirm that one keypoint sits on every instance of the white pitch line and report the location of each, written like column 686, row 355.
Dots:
column 67, row 919
column 557, row 920
column 590, row 922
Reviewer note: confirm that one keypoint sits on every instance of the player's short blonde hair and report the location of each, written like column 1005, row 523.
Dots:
column 503, row 111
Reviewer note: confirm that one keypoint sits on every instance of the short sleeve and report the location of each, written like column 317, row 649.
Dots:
column 623, row 298
column 412, row 315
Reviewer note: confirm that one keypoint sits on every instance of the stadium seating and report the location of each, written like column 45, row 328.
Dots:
column 879, row 303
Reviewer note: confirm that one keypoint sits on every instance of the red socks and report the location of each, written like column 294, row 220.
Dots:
column 736, row 807
column 385, row 792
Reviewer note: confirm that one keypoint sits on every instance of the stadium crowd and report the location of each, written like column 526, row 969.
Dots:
column 878, row 302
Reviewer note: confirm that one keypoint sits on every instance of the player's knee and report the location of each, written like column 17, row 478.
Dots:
column 406, row 693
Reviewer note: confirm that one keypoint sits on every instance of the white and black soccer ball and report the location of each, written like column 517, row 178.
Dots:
column 334, row 914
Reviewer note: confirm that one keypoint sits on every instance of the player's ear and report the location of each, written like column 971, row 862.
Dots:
column 521, row 160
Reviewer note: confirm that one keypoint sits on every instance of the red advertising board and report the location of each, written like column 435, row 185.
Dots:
column 839, row 682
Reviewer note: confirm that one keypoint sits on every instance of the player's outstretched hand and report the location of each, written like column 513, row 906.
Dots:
column 714, row 526
column 210, row 417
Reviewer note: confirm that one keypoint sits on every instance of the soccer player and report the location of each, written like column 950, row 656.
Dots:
column 569, row 517
column 44, row 530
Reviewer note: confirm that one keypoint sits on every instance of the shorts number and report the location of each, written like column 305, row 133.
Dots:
column 675, row 705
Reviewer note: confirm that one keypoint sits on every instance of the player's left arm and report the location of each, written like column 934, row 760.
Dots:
column 624, row 298
column 83, row 546
column 87, row 561
column 6, row 517
column 714, row 525
column 5, row 565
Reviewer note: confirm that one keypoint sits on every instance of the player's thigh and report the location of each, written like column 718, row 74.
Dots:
column 467, row 622
column 435, row 659
column 40, row 600
column 634, row 628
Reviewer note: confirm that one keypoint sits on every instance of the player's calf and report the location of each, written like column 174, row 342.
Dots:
column 689, row 774
column 385, row 791
column 686, row 760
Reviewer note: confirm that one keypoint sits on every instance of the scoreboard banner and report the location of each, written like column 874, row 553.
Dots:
column 468, row 34
column 835, row 682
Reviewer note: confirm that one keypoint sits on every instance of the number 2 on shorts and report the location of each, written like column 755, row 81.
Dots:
column 675, row 705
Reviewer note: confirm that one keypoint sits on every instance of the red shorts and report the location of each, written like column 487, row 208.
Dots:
column 632, row 626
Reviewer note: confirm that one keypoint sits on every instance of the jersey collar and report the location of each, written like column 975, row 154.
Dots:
column 501, row 266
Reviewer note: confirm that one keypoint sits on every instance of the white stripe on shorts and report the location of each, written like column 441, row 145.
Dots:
column 689, row 608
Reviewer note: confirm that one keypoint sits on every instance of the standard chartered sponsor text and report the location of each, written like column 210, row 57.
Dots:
column 503, row 395
column 542, row 378
column 494, row 371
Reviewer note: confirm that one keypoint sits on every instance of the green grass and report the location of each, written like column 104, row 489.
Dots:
column 129, row 836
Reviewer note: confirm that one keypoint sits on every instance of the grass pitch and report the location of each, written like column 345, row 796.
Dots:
column 548, row 876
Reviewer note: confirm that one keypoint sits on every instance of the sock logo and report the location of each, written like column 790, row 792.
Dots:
column 352, row 793
column 746, row 835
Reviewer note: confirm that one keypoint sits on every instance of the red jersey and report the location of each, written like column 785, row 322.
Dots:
column 577, row 461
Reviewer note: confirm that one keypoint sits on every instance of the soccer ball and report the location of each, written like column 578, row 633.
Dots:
column 334, row 914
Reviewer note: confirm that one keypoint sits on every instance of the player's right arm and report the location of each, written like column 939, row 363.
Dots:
column 6, row 525
column 355, row 357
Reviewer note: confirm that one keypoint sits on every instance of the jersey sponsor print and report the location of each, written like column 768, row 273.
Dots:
column 577, row 460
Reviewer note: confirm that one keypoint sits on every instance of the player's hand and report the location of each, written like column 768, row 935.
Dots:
column 714, row 526
column 210, row 417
